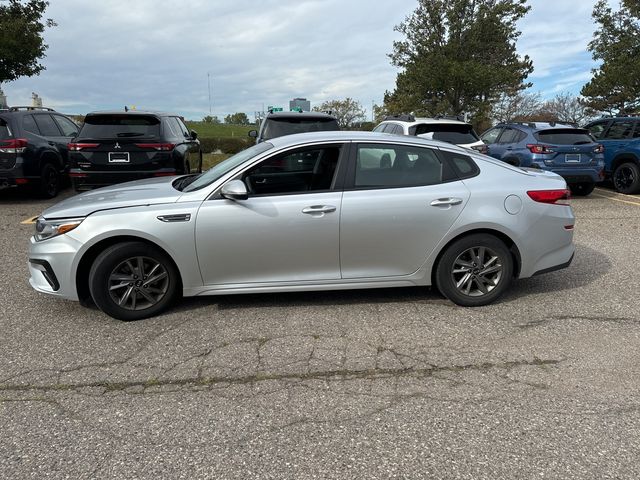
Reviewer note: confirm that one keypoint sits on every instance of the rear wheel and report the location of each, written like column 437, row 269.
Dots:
column 475, row 270
column 582, row 189
column 626, row 178
column 49, row 181
column 132, row 280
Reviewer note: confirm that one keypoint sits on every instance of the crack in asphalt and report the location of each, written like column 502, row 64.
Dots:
column 343, row 374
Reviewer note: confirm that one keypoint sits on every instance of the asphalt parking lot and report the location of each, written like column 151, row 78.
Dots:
column 365, row 384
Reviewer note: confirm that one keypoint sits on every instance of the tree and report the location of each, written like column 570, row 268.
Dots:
column 566, row 108
column 516, row 107
column 210, row 119
column 615, row 86
column 458, row 56
column 21, row 42
column 239, row 118
column 347, row 111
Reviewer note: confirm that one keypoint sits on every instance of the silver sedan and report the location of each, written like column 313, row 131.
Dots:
column 318, row 211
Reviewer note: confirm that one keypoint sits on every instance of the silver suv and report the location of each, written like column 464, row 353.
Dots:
column 446, row 129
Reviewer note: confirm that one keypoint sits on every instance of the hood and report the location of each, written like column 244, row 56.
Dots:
column 131, row 194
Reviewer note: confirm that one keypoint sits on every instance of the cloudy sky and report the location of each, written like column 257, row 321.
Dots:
column 157, row 54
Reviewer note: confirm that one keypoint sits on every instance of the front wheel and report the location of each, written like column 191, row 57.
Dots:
column 474, row 270
column 582, row 189
column 626, row 178
column 132, row 280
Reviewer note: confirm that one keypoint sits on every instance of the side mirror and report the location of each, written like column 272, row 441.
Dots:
column 235, row 190
column 194, row 134
column 253, row 133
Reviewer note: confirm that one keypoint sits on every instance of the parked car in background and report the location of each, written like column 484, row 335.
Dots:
column 33, row 148
column 362, row 210
column 278, row 124
column 114, row 147
column 621, row 139
column 446, row 129
column 563, row 149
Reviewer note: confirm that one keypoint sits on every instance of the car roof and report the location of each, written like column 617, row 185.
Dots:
column 428, row 120
column 357, row 136
column 322, row 115
column 132, row 112
column 536, row 126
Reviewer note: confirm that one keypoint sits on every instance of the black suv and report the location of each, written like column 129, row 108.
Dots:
column 278, row 124
column 114, row 147
column 33, row 148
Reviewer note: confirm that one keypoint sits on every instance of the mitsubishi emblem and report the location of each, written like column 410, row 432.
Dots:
column 117, row 145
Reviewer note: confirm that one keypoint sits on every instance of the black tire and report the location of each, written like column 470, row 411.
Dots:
column 626, row 178
column 126, row 266
column 460, row 261
column 49, row 185
column 582, row 189
column 512, row 161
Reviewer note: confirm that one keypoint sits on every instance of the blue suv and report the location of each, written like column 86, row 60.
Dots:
column 568, row 151
column 621, row 139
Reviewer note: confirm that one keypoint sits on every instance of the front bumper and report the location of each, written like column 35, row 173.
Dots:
column 52, row 265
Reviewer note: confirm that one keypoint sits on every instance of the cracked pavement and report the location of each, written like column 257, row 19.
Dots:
column 395, row 383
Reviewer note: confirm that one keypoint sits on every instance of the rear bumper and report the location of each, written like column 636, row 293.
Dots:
column 12, row 177
column 579, row 175
column 84, row 179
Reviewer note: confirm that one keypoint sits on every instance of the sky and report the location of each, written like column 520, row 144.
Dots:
column 168, row 54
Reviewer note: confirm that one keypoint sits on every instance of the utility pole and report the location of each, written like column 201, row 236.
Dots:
column 372, row 107
column 209, row 88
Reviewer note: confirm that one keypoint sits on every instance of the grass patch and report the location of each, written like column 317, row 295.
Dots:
column 220, row 130
column 211, row 159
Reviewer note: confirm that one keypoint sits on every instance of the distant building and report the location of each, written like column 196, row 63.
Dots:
column 3, row 100
column 36, row 101
column 300, row 104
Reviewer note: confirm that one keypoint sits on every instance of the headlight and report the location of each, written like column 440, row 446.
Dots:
column 52, row 228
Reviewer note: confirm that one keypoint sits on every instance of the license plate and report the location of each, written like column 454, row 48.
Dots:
column 572, row 158
column 118, row 157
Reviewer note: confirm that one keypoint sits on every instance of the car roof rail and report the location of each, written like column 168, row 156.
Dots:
column 401, row 118
column 459, row 118
column 30, row 107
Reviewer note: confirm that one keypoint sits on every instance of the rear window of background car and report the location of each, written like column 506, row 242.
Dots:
column 120, row 126
column 451, row 133
column 278, row 127
column 568, row 136
column 4, row 130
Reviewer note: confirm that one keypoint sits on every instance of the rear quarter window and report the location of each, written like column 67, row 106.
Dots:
column 462, row 165
column 120, row 126
column 564, row 136
column 4, row 130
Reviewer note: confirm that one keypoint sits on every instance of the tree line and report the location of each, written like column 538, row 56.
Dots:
column 456, row 57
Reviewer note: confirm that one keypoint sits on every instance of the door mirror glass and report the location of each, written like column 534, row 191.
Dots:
column 253, row 133
column 235, row 190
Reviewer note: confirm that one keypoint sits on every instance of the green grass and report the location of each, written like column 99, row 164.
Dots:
column 220, row 130
column 211, row 159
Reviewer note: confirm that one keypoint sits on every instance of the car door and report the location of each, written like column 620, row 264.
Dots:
column 395, row 212
column 616, row 139
column 288, row 228
column 490, row 137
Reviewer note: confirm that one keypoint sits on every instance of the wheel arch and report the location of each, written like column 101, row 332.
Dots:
column 49, row 156
column 511, row 245
column 624, row 158
column 84, row 265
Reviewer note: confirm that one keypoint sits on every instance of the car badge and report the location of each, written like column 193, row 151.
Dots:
column 117, row 145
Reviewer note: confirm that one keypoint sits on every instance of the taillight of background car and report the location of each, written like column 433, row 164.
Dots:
column 161, row 147
column 535, row 148
column 13, row 145
column 76, row 147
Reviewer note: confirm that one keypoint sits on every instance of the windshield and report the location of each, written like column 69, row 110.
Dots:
column 217, row 171
column 120, row 126
column 279, row 127
column 446, row 132
column 564, row 136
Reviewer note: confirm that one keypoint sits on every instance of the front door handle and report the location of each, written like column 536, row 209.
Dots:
column 445, row 202
column 315, row 209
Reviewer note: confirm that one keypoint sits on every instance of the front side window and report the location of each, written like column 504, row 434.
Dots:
column 509, row 136
column 380, row 128
column 491, row 136
column 306, row 170
column 69, row 129
column 597, row 129
column 380, row 166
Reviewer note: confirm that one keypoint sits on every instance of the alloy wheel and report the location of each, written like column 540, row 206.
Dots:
column 623, row 178
column 138, row 283
column 476, row 271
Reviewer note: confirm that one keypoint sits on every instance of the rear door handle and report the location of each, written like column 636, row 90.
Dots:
column 314, row 209
column 445, row 202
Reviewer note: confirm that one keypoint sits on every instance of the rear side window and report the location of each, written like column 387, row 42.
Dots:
column 451, row 133
column 636, row 131
column 29, row 124
column 4, row 130
column 120, row 126
column 619, row 130
column 173, row 127
column 564, row 136
column 47, row 126
column 379, row 128
column 463, row 165
column 279, row 127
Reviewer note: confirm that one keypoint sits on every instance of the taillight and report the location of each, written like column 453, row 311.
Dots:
column 162, row 147
column 76, row 147
column 555, row 197
column 535, row 148
column 481, row 148
column 13, row 145
column 599, row 148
